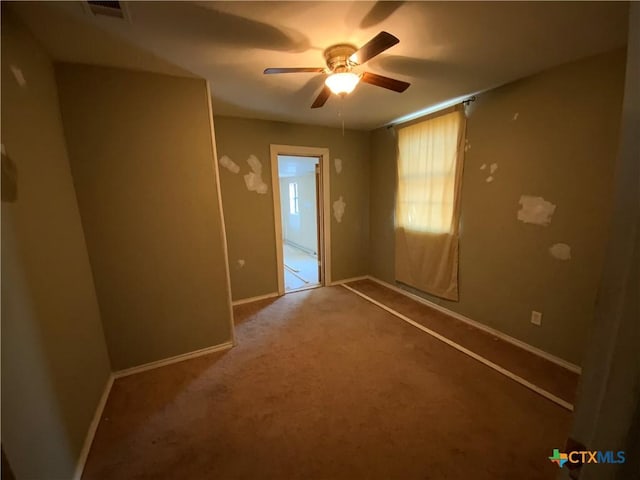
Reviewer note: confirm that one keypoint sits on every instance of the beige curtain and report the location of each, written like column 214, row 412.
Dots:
column 430, row 158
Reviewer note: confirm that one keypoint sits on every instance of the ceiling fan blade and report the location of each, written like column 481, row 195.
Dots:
column 268, row 71
column 384, row 82
column 322, row 97
column 373, row 47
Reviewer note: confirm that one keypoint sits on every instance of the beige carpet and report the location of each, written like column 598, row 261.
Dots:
column 324, row 385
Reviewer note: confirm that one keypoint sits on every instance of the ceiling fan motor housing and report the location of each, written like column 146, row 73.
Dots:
column 337, row 57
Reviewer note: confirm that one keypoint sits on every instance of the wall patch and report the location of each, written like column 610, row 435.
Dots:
column 253, row 180
column 561, row 251
column 338, row 209
column 535, row 210
column 229, row 164
column 337, row 162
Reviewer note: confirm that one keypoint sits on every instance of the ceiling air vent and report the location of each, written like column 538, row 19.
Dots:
column 108, row 9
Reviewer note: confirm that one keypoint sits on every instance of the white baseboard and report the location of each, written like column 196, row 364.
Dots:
column 309, row 251
column 507, row 373
column 255, row 299
column 242, row 301
column 167, row 361
column 93, row 427
column 481, row 326
column 347, row 280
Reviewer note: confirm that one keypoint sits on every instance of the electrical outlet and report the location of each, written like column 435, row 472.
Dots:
column 536, row 318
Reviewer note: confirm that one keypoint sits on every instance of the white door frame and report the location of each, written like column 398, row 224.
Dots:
column 325, row 218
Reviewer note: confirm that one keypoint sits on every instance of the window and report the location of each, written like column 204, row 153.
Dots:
column 293, row 199
column 430, row 156
column 427, row 159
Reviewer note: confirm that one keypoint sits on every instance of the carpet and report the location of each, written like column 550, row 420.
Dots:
column 325, row 385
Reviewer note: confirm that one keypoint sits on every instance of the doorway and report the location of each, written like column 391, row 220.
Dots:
column 300, row 194
column 299, row 180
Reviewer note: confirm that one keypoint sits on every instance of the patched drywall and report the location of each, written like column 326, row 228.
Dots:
column 253, row 180
column 249, row 218
column 535, row 210
column 560, row 251
column 532, row 137
column 229, row 164
column 338, row 209
column 337, row 162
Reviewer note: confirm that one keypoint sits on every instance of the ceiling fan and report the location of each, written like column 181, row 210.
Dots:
column 341, row 59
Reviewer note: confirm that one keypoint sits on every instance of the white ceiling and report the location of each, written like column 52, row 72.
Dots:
column 446, row 49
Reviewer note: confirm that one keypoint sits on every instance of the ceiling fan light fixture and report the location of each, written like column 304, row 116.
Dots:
column 342, row 83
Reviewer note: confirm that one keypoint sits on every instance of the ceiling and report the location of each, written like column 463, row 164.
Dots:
column 446, row 49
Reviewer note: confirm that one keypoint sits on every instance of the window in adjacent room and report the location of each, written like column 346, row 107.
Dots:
column 293, row 199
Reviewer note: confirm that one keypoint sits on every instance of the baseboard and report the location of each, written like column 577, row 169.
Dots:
column 507, row 373
column 481, row 326
column 242, row 301
column 301, row 247
column 168, row 361
column 347, row 280
column 93, row 427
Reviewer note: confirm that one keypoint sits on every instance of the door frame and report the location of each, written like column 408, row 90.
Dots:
column 325, row 219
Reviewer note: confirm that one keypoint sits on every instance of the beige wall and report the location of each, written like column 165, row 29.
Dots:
column 249, row 216
column 54, row 358
column 142, row 162
column 607, row 415
column 562, row 147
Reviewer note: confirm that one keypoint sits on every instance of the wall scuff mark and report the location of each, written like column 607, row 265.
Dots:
column 241, row 262
column 483, row 166
column 467, row 145
column 253, row 180
column 535, row 210
column 229, row 164
column 561, row 251
column 489, row 179
column 17, row 73
column 493, row 168
column 338, row 209
column 337, row 162
column 515, row 116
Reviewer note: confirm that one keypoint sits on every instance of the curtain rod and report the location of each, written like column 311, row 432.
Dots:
column 464, row 102
column 469, row 100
